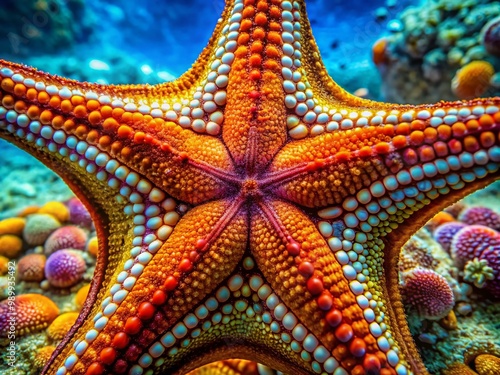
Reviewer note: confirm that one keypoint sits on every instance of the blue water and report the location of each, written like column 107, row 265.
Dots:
column 168, row 35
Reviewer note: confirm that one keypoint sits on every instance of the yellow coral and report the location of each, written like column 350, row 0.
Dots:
column 10, row 245
column 487, row 364
column 93, row 246
column 61, row 325
column 4, row 265
column 13, row 225
column 459, row 369
column 81, row 296
column 56, row 209
column 42, row 355
column 472, row 80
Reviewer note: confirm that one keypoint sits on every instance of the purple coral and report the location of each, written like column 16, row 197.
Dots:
column 469, row 242
column 480, row 216
column 65, row 268
column 445, row 232
column 492, row 256
column 78, row 213
column 67, row 237
column 490, row 36
column 428, row 293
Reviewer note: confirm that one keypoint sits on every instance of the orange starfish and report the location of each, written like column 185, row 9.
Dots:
column 252, row 208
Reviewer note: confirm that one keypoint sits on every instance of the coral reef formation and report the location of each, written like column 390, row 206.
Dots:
column 443, row 50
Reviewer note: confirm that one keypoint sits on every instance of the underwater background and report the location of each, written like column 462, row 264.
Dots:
column 400, row 51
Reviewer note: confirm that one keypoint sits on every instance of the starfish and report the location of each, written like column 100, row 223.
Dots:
column 252, row 208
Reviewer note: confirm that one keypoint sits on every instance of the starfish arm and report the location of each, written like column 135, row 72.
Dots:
column 145, row 295
column 333, row 321
column 39, row 112
column 228, row 367
column 431, row 149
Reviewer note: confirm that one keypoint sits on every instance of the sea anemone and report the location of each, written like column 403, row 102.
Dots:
column 67, row 237
column 38, row 228
column 472, row 80
column 427, row 292
column 31, row 267
column 34, row 312
column 65, row 268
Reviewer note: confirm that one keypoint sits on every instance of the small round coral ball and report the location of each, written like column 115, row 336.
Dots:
column 478, row 215
column 428, row 293
column 67, row 237
column 78, row 214
column 469, row 242
column 31, row 267
column 490, row 36
column 65, row 268
column 445, row 232
column 38, row 227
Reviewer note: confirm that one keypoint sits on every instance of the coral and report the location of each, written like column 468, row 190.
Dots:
column 439, row 219
column 34, row 312
column 13, row 225
column 492, row 256
column 39, row 227
column 472, row 80
column 41, row 357
column 427, row 292
column 469, row 242
column 4, row 265
column 379, row 55
column 78, row 213
column 490, row 36
column 478, row 215
column 65, row 268
column 93, row 246
column 61, row 325
column 10, row 245
column 29, row 210
column 56, row 209
column 416, row 253
column 477, row 271
column 444, row 233
column 449, row 321
column 459, row 369
column 81, row 296
column 31, row 267
column 67, row 237
column 487, row 364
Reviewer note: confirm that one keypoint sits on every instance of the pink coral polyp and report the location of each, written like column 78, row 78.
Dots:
column 68, row 237
column 428, row 293
column 471, row 241
column 480, row 216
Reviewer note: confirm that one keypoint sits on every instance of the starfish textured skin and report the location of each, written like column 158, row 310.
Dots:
column 250, row 209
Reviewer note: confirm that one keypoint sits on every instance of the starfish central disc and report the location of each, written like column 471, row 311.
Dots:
column 250, row 188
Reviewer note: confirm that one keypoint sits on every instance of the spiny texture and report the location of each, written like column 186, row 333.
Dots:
column 250, row 209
